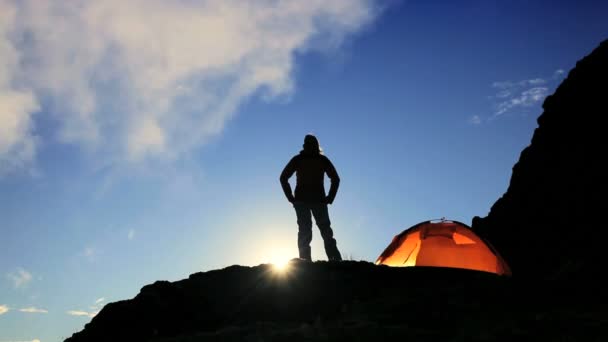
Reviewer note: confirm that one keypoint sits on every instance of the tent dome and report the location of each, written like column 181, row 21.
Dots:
column 443, row 244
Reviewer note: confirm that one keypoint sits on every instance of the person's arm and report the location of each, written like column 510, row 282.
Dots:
column 335, row 181
column 288, row 171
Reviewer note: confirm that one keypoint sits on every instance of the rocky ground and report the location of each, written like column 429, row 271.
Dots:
column 350, row 301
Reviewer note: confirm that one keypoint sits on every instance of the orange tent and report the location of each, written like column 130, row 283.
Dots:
column 443, row 244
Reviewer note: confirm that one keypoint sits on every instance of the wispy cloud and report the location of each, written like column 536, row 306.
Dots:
column 98, row 305
column 506, row 87
column 151, row 79
column 526, row 98
column 475, row 120
column 32, row 309
column 20, row 278
column 92, row 313
column 82, row 313
column 90, row 253
column 518, row 95
column 559, row 73
column 3, row 309
column 131, row 234
column 17, row 142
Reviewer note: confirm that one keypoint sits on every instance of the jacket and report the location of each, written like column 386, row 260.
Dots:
column 310, row 169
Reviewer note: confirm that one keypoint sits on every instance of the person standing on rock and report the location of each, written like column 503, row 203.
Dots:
column 310, row 167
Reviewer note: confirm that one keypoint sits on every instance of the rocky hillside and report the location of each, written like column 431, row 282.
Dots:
column 341, row 302
column 549, row 224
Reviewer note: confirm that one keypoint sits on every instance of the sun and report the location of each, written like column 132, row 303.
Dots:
column 279, row 259
column 281, row 265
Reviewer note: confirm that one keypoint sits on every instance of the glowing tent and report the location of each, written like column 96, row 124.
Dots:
column 443, row 244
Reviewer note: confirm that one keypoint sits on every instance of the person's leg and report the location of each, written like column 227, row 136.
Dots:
column 304, row 229
column 321, row 215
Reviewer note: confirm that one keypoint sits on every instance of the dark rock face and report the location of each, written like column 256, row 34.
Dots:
column 549, row 224
column 240, row 297
column 340, row 302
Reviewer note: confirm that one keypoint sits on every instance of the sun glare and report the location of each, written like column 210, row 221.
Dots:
column 280, row 265
column 280, row 260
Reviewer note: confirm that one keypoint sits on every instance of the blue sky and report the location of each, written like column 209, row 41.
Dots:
column 140, row 143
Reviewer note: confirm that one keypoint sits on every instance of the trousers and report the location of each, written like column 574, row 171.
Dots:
column 304, row 211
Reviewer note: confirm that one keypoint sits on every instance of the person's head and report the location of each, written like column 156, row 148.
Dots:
column 311, row 144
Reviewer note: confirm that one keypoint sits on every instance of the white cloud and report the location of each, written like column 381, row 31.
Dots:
column 32, row 309
column 508, row 85
column 94, row 309
column 82, row 313
column 17, row 102
column 89, row 253
column 141, row 79
column 20, row 278
column 3, row 309
column 522, row 94
column 532, row 96
column 475, row 120
column 526, row 98
column 532, row 82
column 502, row 84
column 503, row 93
column 131, row 234
column 559, row 73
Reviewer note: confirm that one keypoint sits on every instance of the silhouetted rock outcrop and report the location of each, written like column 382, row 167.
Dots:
column 549, row 224
column 338, row 302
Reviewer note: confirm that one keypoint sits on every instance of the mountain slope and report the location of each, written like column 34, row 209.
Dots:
column 339, row 301
column 549, row 224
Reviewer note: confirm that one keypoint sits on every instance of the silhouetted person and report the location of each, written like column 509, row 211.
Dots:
column 310, row 166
